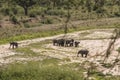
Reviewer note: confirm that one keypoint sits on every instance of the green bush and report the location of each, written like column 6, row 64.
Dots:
column 1, row 17
column 32, row 14
column 55, row 12
column 117, row 14
column 6, row 11
column 47, row 21
column 107, row 65
column 26, row 25
column 14, row 19
column 15, row 11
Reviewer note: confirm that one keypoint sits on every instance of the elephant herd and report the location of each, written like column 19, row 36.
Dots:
column 63, row 43
column 66, row 43
column 70, row 43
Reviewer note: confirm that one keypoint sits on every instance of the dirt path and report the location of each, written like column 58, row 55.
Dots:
column 5, row 51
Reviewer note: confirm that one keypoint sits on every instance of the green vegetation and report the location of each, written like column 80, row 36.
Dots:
column 38, row 71
column 107, row 65
column 26, row 52
column 22, row 34
column 27, row 19
column 48, row 70
column 99, row 8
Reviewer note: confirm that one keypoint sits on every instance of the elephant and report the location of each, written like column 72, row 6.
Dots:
column 13, row 45
column 63, row 42
column 69, row 42
column 59, row 42
column 76, row 43
column 83, row 52
column 55, row 42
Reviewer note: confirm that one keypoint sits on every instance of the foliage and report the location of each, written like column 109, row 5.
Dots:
column 16, row 34
column 26, row 25
column 107, row 65
column 6, row 11
column 14, row 10
column 32, row 15
column 54, row 6
column 25, row 4
column 47, row 21
column 14, row 19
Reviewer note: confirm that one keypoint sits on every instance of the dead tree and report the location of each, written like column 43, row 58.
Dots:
column 111, row 43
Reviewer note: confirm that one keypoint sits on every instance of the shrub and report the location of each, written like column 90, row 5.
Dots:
column 32, row 14
column 117, row 14
column 47, row 21
column 6, row 11
column 107, row 65
column 55, row 12
column 1, row 17
column 36, row 11
column 26, row 25
column 14, row 19
column 14, row 10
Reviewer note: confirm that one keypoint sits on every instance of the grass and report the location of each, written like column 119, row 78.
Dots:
column 107, row 65
column 26, row 52
column 38, row 71
column 48, row 69
column 39, row 44
column 18, row 34
column 29, row 36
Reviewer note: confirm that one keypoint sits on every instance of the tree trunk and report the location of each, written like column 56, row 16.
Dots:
column 26, row 10
column 67, row 20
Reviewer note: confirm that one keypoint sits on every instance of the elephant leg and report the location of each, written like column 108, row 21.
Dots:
column 86, row 55
column 53, row 43
column 82, row 54
column 12, row 46
column 16, row 45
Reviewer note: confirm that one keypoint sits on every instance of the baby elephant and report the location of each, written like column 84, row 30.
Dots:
column 83, row 52
column 76, row 43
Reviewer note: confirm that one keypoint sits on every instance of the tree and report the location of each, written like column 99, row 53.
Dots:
column 25, row 4
column 88, row 5
column 117, row 2
column 99, row 4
